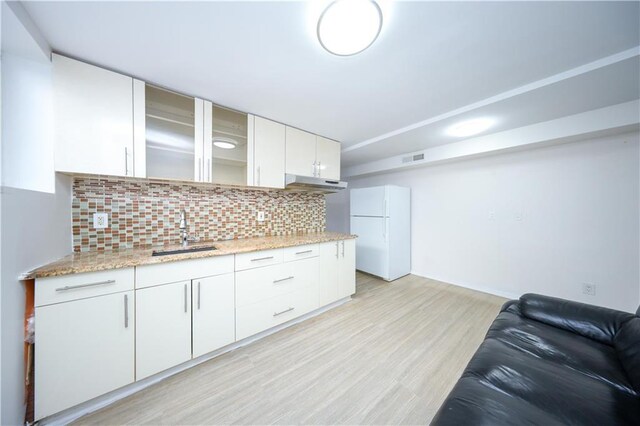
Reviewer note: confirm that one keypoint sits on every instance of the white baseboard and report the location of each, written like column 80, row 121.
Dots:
column 480, row 288
column 69, row 415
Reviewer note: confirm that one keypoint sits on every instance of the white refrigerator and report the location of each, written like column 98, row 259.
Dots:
column 381, row 218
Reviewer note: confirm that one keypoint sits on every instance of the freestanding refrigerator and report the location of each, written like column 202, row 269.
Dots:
column 381, row 217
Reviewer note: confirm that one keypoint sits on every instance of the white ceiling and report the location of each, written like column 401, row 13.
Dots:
column 431, row 58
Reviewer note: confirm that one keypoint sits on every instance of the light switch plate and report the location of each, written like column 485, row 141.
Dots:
column 100, row 220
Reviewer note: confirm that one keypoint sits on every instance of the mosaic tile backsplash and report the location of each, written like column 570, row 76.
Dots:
column 143, row 213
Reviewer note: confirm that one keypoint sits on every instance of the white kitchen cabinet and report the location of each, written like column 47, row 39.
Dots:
column 328, row 285
column 94, row 119
column 225, row 145
column 337, row 271
column 311, row 155
column 84, row 348
column 328, row 158
column 300, row 152
column 268, row 153
column 347, row 268
column 163, row 327
column 214, row 324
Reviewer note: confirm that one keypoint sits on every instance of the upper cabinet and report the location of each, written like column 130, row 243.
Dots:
column 268, row 153
column 311, row 155
column 225, row 146
column 111, row 124
column 173, row 135
column 94, row 124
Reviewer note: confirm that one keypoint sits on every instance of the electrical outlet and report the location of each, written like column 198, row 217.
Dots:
column 100, row 220
column 589, row 289
column 260, row 216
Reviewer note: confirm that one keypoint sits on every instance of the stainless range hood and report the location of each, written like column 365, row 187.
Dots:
column 313, row 183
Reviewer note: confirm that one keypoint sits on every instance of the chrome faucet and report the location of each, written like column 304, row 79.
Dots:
column 184, row 233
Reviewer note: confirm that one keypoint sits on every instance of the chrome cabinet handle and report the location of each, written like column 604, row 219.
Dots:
column 275, row 314
column 126, row 311
column 313, row 169
column 199, row 171
column 336, row 249
column 282, row 279
column 258, row 184
column 342, row 248
column 262, row 258
column 126, row 162
column 208, row 169
column 185, row 298
column 73, row 287
column 303, row 252
column 319, row 168
column 198, row 295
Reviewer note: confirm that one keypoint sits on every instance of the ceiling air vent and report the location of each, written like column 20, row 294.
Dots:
column 412, row 158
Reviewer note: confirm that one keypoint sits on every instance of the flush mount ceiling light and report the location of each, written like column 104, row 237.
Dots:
column 225, row 143
column 470, row 127
column 347, row 27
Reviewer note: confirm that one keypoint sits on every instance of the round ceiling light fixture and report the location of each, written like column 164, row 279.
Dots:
column 470, row 127
column 224, row 143
column 347, row 27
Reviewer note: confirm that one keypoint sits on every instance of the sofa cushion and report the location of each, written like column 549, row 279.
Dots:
column 590, row 321
column 551, row 344
column 627, row 344
column 516, row 387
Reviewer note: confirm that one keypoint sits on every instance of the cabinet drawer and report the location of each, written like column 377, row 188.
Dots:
column 257, row 259
column 258, row 284
column 80, row 286
column 300, row 252
column 257, row 317
column 170, row 272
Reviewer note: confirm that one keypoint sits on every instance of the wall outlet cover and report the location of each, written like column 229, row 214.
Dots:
column 589, row 289
column 260, row 216
column 100, row 220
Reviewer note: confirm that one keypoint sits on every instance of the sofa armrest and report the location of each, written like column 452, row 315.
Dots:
column 590, row 321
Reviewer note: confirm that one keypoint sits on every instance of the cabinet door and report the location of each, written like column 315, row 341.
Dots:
column 94, row 119
column 214, row 324
column 84, row 349
column 269, row 153
column 163, row 327
column 328, row 158
column 300, row 152
column 328, row 285
column 347, row 268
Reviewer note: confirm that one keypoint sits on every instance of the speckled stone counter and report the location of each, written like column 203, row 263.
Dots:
column 76, row 263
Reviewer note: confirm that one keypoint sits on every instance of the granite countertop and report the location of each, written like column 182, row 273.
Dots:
column 76, row 263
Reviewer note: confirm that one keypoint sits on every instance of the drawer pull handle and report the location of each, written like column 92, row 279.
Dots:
column 185, row 298
column 283, row 279
column 198, row 295
column 262, row 258
column 304, row 252
column 275, row 314
column 73, row 287
column 126, row 311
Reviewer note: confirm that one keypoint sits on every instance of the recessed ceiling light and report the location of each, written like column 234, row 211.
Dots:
column 347, row 27
column 470, row 127
column 225, row 143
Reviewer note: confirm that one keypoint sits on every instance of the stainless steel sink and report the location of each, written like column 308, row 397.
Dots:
column 182, row 250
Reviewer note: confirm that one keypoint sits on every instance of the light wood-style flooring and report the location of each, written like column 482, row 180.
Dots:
column 389, row 356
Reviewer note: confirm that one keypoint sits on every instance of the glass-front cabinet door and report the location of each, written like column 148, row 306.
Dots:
column 170, row 132
column 228, row 147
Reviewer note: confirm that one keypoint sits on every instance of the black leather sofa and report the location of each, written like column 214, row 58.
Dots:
column 548, row 361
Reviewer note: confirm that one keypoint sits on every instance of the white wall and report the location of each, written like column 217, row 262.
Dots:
column 35, row 212
column 544, row 220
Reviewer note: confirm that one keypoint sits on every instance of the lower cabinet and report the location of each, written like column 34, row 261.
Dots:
column 337, row 271
column 163, row 327
column 213, row 305
column 272, row 295
column 84, row 348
